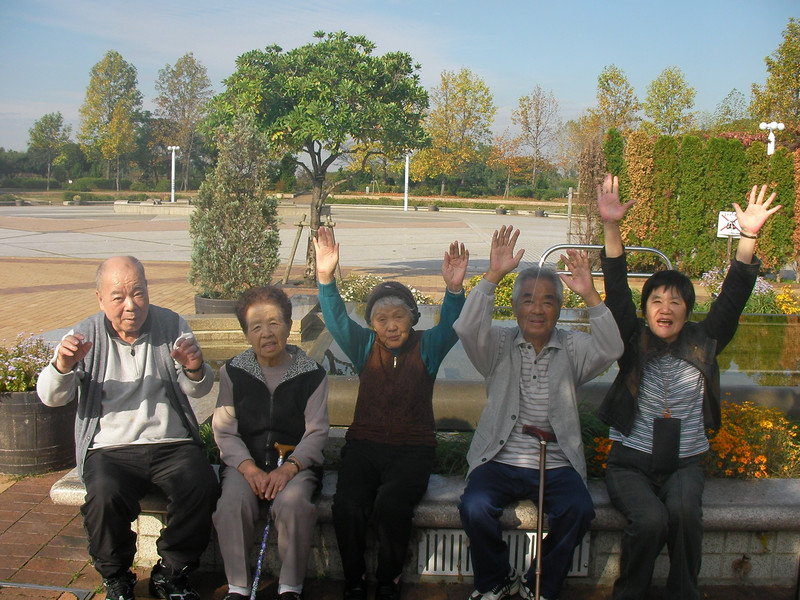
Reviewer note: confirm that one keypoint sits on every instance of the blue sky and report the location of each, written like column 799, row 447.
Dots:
column 47, row 47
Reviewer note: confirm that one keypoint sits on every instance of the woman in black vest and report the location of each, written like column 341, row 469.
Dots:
column 270, row 393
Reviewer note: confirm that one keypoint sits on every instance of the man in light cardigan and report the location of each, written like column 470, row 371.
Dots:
column 532, row 371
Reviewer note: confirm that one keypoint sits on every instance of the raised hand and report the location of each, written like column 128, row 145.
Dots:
column 502, row 259
column 454, row 267
column 608, row 204
column 72, row 349
column 758, row 210
column 580, row 280
column 327, row 254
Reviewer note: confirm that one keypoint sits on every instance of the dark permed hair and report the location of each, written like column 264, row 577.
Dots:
column 268, row 294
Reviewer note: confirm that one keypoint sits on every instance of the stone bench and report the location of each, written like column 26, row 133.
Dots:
column 756, row 520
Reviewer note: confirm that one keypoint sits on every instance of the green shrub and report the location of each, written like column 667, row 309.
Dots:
column 234, row 227
column 522, row 192
column 29, row 183
column 356, row 288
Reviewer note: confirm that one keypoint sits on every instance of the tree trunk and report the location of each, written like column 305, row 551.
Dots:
column 441, row 191
column 508, row 184
column 317, row 200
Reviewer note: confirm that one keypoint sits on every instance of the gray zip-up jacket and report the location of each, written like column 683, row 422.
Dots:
column 86, row 379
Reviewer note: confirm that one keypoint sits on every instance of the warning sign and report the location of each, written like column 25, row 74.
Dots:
column 728, row 225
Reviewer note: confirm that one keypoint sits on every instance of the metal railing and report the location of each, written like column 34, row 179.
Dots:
column 628, row 249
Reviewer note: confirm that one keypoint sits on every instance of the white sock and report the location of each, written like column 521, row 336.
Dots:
column 282, row 587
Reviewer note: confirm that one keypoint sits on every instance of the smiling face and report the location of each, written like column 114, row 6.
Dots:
column 537, row 310
column 666, row 313
column 268, row 333
column 392, row 324
column 123, row 297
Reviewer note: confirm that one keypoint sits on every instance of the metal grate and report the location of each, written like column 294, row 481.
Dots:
column 445, row 552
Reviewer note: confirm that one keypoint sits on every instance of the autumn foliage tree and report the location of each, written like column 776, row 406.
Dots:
column 537, row 116
column 459, row 121
column 110, row 110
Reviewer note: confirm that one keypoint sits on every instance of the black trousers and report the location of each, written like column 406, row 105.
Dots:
column 117, row 479
column 385, row 482
column 660, row 509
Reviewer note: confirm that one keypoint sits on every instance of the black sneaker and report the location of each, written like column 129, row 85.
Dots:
column 169, row 584
column 388, row 591
column 355, row 591
column 120, row 588
column 235, row 596
column 290, row 596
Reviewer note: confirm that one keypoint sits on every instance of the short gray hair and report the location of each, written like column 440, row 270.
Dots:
column 386, row 302
column 537, row 273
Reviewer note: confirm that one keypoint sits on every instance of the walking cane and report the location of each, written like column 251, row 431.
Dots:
column 283, row 450
column 544, row 437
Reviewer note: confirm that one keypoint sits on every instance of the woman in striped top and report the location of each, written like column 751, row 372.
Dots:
column 664, row 399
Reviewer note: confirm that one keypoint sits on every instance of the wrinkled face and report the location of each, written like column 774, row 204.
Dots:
column 123, row 298
column 267, row 333
column 392, row 325
column 537, row 310
column 666, row 313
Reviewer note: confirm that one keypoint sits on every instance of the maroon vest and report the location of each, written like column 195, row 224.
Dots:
column 395, row 397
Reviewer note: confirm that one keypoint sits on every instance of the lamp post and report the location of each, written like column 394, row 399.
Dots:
column 405, row 194
column 172, row 186
column 771, row 137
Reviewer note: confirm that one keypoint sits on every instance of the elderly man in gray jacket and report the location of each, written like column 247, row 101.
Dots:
column 131, row 368
column 532, row 372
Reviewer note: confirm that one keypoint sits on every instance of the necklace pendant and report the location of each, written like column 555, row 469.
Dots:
column 667, row 413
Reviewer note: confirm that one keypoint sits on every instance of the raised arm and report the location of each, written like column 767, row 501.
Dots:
column 751, row 220
column 502, row 259
column 454, row 267
column 611, row 212
column 327, row 254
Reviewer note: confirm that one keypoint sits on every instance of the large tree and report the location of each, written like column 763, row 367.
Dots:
column 48, row 136
column 183, row 95
column 779, row 98
column 617, row 104
column 459, row 124
column 110, row 111
column 669, row 103
column 325, row 100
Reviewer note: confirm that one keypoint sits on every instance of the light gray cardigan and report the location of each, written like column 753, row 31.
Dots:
column 578, row 357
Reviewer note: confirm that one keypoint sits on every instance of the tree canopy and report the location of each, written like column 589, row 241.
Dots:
column 617, row 104
column 48, row 136
column 325, row 100
column 459, row 125
column 669, row 103
column 183, row 95
column 110, row 109
column 779, row 98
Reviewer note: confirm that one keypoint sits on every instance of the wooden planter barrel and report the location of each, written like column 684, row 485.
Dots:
column 35, row 438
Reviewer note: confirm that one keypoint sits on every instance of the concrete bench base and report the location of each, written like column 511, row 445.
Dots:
column 746, row 522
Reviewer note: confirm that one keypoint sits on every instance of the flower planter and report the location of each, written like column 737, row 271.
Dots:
column 214, row 306
column 35, row 438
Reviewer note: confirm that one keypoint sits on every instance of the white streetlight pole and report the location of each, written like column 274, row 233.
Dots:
column 771, row 137
column 172, row 187
column 405, row 195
